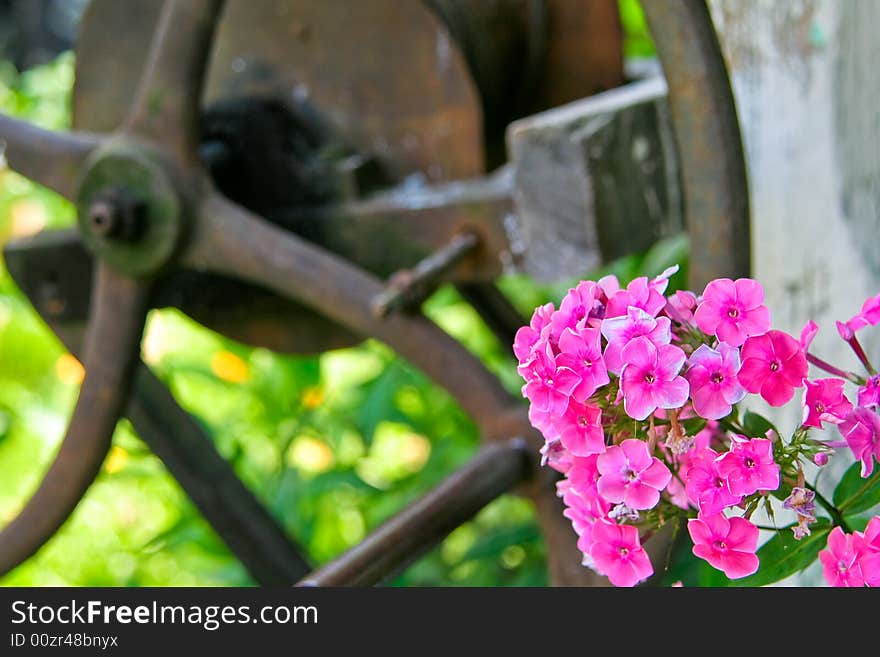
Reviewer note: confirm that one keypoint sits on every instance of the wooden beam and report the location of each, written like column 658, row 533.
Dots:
column 595, row 179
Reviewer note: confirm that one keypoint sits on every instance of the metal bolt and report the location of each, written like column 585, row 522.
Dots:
column 116, row 214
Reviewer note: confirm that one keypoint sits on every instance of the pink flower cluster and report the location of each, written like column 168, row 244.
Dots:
column 853, row 559
column 636, row 395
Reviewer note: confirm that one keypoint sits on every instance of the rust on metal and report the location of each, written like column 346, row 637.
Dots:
column 407, row 104
column 584, row 53
column 167, row 104
column 116, row 320
column 713, row 172
column 397, row 228
column 401, row 540
column 241, row 521
column 408, row 100
column 239, row 518
column 52, row 159
column 407, row 288
column 54, row 270
column 230, row 240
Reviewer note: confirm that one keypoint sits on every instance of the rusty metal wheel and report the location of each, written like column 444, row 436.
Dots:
column 258, row 167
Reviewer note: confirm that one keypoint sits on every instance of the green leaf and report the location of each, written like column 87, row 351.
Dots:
column 693, row 426
column 854, row 494
column 756, row 426
column 782, row 556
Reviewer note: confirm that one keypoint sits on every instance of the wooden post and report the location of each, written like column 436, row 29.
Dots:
column 806, row 86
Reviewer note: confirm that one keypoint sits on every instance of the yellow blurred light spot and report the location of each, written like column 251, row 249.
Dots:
column 414, row 451
column 69, row 370
column 155, row 342
column 229, row 367
column 28, row 217
column 116, row 460
column 396, row 452
column 310, row 455
column 312, row 397
column 10, row 512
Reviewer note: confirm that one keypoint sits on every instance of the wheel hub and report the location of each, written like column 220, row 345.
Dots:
column 129, row 212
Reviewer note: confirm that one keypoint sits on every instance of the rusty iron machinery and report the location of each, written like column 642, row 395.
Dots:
column 267, row 166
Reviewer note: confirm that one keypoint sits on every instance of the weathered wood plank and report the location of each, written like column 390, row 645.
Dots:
column 595, row 179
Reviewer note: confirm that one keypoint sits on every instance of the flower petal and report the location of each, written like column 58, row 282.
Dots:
column 749, row 293
column 672, row 394
column 639, row 496
column 743, row 535
column 657, row 475
column 737, row 565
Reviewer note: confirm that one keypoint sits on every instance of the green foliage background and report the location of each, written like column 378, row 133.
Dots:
column 332, row 444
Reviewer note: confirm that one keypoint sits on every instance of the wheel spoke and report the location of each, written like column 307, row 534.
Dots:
column 166, row 106
column 116, row 321
column 499, row 313
column 231, row 240
column 707, row 133
column 244, row 524
column 421, row 526
column 52, row 159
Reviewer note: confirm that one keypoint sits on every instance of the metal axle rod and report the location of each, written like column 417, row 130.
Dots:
column 409, row 287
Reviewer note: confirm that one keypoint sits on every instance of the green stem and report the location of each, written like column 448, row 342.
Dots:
column 836, row 516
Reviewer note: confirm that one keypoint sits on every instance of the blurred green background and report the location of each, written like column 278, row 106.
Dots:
column 332, row 444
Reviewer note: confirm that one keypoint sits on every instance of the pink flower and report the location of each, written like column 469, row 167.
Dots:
column 824, row 400
column 869, row 394
column 548, row 387
column 840, row 561
column 528, row 336
column 584, row 477
column 576, row 307
column 749, row 466
column 582, row 511
column 677, row 493
column 638, row 294
column 712, row 377
column 650, row 380
column 619, row 331
column 869, row 315
column 543, row 422
column 581, row 351
column 807, row 334
column 727, row 544
column 680, row 306
column 733, row 310
column 870, row 559
column 845, row 331
column 629, row 474
column 618, row 554
column 861, row 430
column 554, row 454
column 608, row 286
column 773, row 365
column 872, row 535
column 706, row 487
column 580, row 429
